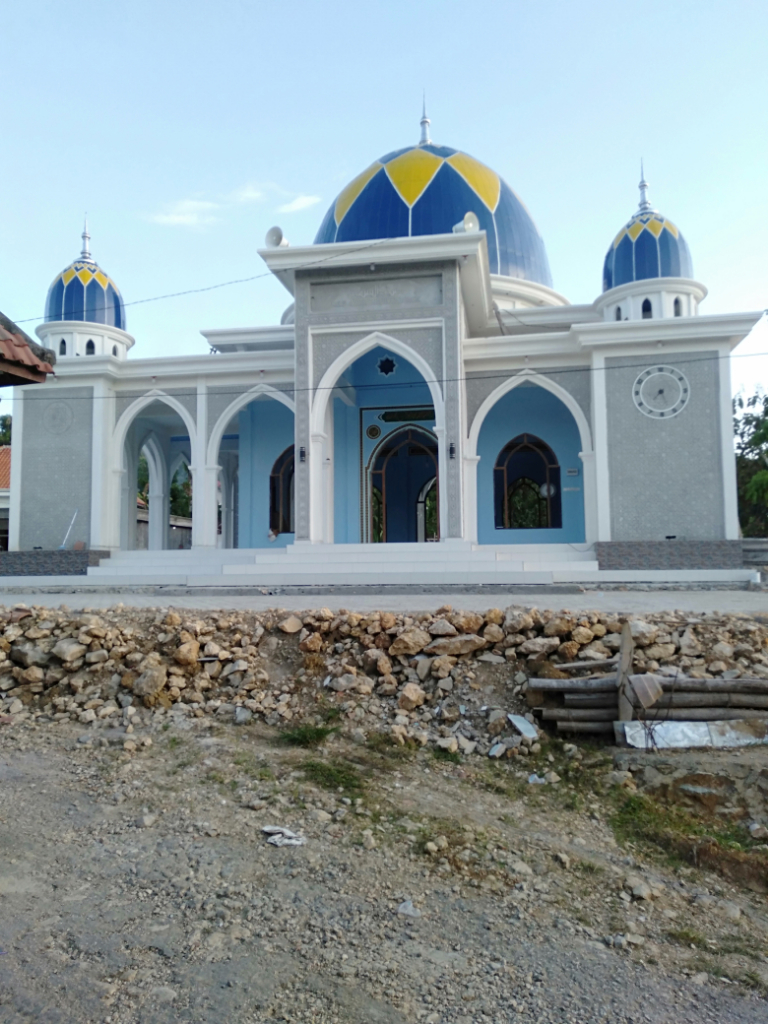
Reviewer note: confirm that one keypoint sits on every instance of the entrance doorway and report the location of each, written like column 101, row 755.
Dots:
column 404, row 489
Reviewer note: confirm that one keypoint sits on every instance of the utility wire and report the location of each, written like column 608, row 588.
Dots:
column 35, row 394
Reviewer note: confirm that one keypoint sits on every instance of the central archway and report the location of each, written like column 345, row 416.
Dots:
column 403, row 486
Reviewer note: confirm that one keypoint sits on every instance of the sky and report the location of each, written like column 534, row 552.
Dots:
column 187, row 129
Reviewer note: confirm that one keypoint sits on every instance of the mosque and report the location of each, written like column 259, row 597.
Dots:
column 428, row 410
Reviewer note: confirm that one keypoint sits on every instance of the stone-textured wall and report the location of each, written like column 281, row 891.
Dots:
column 56, row 456
column 670, row 554
column 481, row 383
column 665, row 474
column 48, row 563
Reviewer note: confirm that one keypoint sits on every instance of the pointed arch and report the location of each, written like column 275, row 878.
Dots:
column 135, row 408
column 324, row 389
column 543, row 382
column 240, row 403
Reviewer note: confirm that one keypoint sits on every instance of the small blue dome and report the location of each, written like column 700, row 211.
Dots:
column 425, row 190
column 648, row 246
column 82, row 291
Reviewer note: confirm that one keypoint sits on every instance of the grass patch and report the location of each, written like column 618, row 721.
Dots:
column 334, row 774
column 588, row 868
column 705, row 843
column 687, row 937
column 446, row 755
column 307, row 735
column 385, row 744
column 330, row 712
column 173, row 742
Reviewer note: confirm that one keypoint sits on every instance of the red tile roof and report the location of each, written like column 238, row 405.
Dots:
column 5, row 467
column 22, row 361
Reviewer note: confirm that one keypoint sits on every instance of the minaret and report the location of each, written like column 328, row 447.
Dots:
column 645, row 205
column 425, row 123
column 86, row 250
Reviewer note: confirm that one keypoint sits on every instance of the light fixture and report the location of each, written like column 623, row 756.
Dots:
column 302, row 454
column 451, row 450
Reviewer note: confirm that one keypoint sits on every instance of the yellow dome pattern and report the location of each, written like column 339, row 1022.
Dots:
column 424, row 190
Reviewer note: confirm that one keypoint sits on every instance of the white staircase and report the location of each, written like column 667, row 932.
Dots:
column 362, row 564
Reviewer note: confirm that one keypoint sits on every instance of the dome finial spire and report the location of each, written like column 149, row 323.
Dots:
column 425, row 123
column 86, row 250
column 643, row 186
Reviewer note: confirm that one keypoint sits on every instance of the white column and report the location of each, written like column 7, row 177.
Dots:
column 589, row 493
column 14, row 510
column 730, row 486
column 317, row 481
column 602, row 477
column 442, row 483
column 470, row 498
column 205, row 477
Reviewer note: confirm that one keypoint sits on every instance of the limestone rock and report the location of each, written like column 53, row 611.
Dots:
column 493, row 633
column 69, row 650
column 411, row 696
column 455, row 645
column 558, row 627
column 29, row 654
column 467, row 622
column 540, row 645
column 410, row 642
column 643, row 633
column 151, row 681
column 497, row 721
column 441, row 667
column 292, row 624
column 722, row 651
column 568, row 650
column 187, row 654
column 494, row 616
column 312, row 644
column 660, row 652
column 689, row 645
column 448, row 743
column 442, row 627
column 517, row 621
column 582, row 635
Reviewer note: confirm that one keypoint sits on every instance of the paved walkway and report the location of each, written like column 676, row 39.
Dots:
column 695, row 601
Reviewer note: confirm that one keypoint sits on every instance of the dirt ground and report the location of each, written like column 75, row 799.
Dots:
column 137, row 888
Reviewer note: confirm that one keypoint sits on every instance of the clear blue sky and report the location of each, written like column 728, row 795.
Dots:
column 186, row 129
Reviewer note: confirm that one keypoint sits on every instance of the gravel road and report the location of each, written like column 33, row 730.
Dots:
column 138, row 889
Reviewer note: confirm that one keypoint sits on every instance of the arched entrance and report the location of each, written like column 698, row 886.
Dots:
column 526, row 486
column 281, row 494
column 403, row 488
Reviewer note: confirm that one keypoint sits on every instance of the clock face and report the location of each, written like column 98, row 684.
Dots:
column 661, row 392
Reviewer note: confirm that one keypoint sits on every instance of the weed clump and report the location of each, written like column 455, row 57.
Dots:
column 333, row 774
column 306, row 735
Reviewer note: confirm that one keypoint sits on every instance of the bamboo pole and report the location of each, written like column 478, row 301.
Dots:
column 707, row 700
column 591, row 700
column 606, row 727
column 606, row 683
column 579, row 714
column 700, row 714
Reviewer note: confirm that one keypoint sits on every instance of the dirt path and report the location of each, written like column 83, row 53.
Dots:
column 138, row 889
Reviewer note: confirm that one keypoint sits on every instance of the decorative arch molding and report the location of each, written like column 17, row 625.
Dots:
column 586, row 454
column 530, row 376
column 212, row 455
column 323, row 391
column 133, row 410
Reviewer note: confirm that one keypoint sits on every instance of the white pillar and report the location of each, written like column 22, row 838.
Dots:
column 730, row 486
column 205, row 478
column 589, row 494
column 470, row 498
column 602, row 475
column 14, row 510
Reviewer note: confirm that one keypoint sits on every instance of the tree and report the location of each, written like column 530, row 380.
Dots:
column 5, row 429
column 751, row 430
column 181, row 493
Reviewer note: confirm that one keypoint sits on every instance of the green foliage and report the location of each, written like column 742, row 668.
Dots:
column 334, row 775
column 751, row 432
column 446, row 755
column 687, row 937
column 181, row 493
column 5, row 429
column 306, row 735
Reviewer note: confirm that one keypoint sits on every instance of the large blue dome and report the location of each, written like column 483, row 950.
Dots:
column 425, row 190
column 650, row 245
column 82, row 291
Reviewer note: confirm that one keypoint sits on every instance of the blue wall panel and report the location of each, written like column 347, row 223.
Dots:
column 266, row 430
column 532, row 410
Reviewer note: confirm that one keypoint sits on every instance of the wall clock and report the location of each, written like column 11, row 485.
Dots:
column 661, row 392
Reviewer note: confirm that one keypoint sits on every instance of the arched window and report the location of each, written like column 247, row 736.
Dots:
column 526, row 486
column 114, row 351
column 678, row 306
column 90, row 348
column 647, row 310
column 281, row 501
column 62, row 347
column 618, row 312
